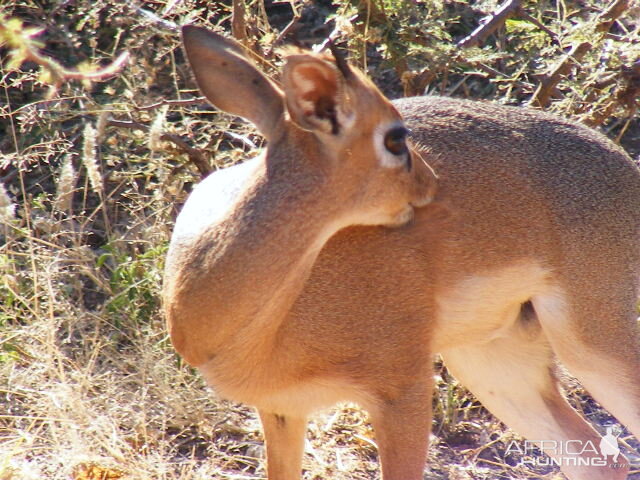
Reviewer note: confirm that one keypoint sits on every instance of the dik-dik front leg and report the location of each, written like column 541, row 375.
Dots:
column 402, row 426
column 284, row 436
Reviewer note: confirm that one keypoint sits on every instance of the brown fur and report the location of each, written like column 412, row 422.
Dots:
column 278, row 310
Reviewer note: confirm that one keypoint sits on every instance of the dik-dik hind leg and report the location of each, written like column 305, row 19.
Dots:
column 595, row 335
column 402, row 425
column 514, row 378
column 284, row 436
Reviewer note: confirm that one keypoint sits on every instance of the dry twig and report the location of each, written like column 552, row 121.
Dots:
column 195, row 155
column 291, row 28
column 488, row 26
column 173, row 103
column 529, row 18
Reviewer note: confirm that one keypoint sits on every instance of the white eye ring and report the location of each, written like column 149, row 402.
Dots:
column 387, row 158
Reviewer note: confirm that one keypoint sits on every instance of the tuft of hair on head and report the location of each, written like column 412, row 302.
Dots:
column 340, row 59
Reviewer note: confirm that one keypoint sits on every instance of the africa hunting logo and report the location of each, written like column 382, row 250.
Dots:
column 569, row 452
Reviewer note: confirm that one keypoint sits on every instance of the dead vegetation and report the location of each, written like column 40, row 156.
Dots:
column 102, row 136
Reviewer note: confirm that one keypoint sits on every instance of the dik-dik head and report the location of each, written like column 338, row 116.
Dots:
column 327, row 118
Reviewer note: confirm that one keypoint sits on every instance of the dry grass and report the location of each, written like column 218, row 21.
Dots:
column 92, row 176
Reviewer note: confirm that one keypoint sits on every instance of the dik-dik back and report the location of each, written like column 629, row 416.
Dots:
column 521, row 183
column 524, row 249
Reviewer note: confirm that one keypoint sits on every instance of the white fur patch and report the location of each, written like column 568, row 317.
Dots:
column 298, row 399
column 481, row 308
column 506, row 377
column 610, row 382
column 212, row 199
column 309, row 397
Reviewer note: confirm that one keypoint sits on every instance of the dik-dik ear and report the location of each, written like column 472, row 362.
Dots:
column 230, row 82
column 315, row 94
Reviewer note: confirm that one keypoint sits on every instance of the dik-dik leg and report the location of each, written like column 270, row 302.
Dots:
column 402, row 425
column 284, row 436
column 513, row 376
column 595, row 335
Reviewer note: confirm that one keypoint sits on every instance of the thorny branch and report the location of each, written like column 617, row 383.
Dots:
column 495, row 21
column 542, row 96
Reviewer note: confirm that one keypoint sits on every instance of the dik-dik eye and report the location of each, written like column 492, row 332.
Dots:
column 395, row 141
column 390, row 141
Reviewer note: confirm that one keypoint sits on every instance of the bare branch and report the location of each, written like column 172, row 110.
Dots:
column 23, row 47
column 611, row 14
column 626, row 95
column 195, row 155
column 491, row 24
column 238, row 23
column 98, row 75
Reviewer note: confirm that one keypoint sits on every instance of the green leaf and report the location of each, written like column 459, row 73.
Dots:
column 514, row 25
column 102, row 259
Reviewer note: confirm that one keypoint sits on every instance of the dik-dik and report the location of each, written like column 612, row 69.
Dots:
column 370, row 235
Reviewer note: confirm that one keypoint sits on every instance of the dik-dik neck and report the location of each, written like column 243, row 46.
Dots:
column 247, row 270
